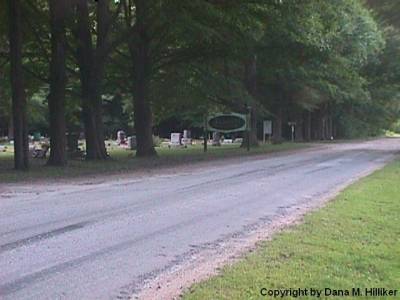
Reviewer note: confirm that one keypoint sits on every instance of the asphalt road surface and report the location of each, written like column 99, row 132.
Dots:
column 101, row 241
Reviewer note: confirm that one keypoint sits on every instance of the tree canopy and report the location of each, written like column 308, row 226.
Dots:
column 332, row 67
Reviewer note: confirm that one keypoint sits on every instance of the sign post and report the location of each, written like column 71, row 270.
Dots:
column 292, row 125
column 248, row 121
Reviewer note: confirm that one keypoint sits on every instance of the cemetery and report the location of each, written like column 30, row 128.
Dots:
column 199, row 150
column 122, row 159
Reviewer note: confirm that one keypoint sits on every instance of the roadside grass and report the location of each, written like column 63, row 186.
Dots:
column 123, row 161
column 353, row 242
column 392, row 134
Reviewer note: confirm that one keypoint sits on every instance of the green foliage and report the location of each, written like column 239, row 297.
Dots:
column 396, row 127
column 387, row 10
column 311, row 54
column 37, row 112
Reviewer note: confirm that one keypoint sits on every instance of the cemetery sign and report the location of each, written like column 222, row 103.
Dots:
column 226, row 123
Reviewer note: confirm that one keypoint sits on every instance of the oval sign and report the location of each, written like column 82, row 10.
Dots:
column 227, row 123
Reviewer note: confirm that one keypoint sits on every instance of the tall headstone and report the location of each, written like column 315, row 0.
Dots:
column 186, row 139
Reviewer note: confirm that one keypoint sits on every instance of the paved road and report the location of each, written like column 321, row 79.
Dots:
column 101, row 241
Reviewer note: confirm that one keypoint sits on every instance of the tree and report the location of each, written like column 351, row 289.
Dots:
column 21, row 147
column 168, row 34
column 139, row 48
column 388, row 10
column 319, row 63
column 56, row 98
column 91, row 60
column 310, row 64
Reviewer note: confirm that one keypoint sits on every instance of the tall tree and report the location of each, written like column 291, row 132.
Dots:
column 140, row 52
column 21, row 147
column 250, row 83
column 91, row 60
column 165, row 35
column 56, row 98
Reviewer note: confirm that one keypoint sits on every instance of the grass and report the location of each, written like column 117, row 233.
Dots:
column 123, row 161
column 392, row 134
column 353, row 242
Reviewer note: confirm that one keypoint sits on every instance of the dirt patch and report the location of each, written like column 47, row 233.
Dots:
column 208, row 262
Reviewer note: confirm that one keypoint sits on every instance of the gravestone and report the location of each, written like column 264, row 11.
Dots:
column 175, row 139
column 186, row 140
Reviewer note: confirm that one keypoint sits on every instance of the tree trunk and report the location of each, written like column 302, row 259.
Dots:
column 10, row 134
column 320, row 125
column 323, row 126
column 92, row 117
column 278, row 109
column 307, row 125
column 299, row 137
column 334, row 128
column 21, row 146
column 141, row 105
column 250, row 82
column 140, row 53
column 328, row 134
column 277, row 127
column 253, row 131
column 56, row 98
column 330, row 122
column 91, row 66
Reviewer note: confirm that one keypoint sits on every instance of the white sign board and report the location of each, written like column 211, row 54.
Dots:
column 267, row 127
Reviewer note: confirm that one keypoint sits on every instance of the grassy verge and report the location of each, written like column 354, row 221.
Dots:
column 353, row 242
column 123, row 161
column 392, row 134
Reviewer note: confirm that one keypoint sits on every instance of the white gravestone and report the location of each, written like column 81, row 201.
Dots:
column 175, row 139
